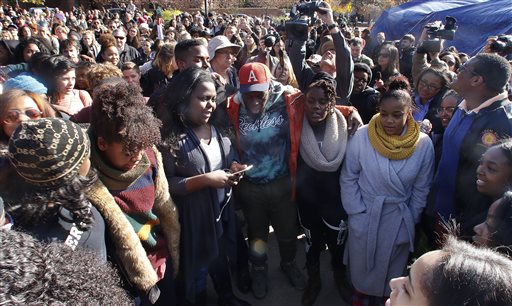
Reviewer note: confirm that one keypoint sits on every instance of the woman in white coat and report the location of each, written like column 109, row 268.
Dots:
column 384, row 185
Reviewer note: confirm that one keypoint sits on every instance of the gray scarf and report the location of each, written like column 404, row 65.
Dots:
column 329, row 157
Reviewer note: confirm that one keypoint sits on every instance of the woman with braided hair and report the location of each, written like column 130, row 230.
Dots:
column 322, row 148
column 384, row 185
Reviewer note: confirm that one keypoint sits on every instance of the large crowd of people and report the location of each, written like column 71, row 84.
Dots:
column 139, row 156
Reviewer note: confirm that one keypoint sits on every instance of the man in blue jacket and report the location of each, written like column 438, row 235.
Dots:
column 481, row 120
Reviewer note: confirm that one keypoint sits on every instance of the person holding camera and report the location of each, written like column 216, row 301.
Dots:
column 336, row 57
column 501, row 45
column 420, row 60
column 266, row 52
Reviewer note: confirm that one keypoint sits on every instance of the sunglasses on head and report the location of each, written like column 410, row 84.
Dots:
column 14, row 114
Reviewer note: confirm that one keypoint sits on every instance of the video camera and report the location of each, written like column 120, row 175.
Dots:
column 502, row 45
column 437, row 31
column 308, row 8
column 271, row 38
column 302, row 15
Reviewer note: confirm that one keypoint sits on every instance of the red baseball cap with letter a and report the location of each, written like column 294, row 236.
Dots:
column 254, row 77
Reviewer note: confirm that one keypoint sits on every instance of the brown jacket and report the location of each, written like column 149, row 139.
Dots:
column 129, row 249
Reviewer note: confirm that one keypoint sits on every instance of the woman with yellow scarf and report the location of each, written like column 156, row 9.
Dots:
column 385, row 180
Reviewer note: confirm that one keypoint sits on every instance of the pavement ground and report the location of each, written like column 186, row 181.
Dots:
column 280, row 292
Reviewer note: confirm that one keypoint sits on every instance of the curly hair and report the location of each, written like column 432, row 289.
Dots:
column 106, row 41
column 120, row 114
column 101, row 72
column 31, row 206
column 35, row 273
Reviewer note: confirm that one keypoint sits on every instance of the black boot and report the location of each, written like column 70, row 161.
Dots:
column 343, row 285
column 259, row 275
column 314, row 285
column 201, row 300
column 259, row 281
column 294, row 275
column 222, row 283
column 243, row 277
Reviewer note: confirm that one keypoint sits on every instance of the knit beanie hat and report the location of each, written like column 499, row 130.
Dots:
column 27, row 83
column 48, row 151
column 365, row 68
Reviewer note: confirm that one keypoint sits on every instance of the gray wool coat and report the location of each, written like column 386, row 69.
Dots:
column 384, row 199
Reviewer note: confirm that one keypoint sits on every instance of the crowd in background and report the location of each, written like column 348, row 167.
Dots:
column 138, row 156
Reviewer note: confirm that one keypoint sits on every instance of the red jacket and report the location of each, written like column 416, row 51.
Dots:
column 295, row 109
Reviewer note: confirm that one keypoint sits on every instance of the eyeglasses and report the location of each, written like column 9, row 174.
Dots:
column 385, row 55
column 120, row 38
column 13, row 115
column 428, row 86
column 449, row 110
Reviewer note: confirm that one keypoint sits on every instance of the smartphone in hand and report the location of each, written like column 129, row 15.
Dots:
column 243, row 170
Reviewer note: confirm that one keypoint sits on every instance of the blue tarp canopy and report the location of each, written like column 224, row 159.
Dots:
column 477, row 20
